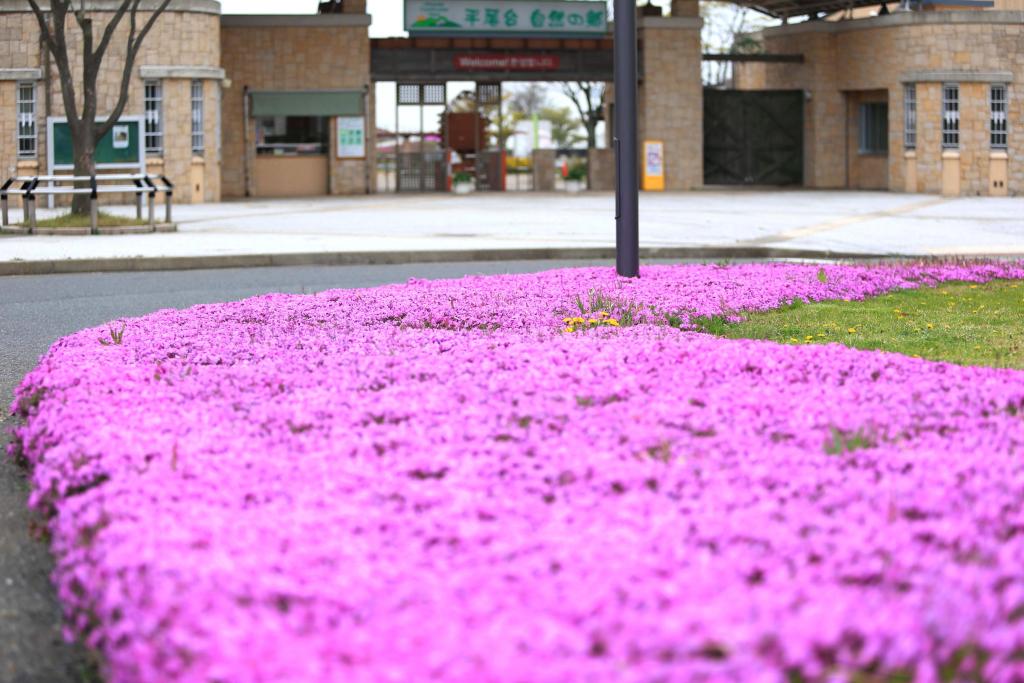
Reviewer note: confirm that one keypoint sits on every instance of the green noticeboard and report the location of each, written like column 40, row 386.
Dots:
column 120, row 147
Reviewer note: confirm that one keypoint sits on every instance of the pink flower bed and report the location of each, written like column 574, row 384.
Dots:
column 434, row 481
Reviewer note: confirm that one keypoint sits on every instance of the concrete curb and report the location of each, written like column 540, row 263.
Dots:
column 365, row 258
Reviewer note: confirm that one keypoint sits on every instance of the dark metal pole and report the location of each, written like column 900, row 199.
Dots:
column 627, row 186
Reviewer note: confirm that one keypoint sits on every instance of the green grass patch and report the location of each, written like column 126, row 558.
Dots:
column 74, row 220
column 969, row 324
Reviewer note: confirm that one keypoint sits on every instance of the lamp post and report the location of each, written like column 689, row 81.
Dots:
column 627, row 211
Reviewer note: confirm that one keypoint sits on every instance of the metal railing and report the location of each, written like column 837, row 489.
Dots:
column 141, row 185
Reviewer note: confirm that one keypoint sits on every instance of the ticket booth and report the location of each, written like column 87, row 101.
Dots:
column 297, row 135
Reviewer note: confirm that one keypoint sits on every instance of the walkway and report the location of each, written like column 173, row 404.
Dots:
column 426, row 227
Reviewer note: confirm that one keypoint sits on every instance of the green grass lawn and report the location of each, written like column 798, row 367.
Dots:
column 104, row 220
column 958, row 322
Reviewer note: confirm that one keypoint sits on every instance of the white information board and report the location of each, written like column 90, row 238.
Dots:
column 351, row 137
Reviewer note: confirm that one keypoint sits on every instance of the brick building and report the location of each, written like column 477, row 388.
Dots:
column 232, row 106
column 178, row 80
column 926, row 101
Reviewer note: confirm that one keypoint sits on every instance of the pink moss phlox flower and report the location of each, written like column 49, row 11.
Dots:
column 433, row 481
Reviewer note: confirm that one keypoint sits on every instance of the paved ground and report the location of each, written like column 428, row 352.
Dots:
column 37, row 310
column 850, row 222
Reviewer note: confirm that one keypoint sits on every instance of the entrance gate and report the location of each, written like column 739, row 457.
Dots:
column 419, row 166
column 753, row 137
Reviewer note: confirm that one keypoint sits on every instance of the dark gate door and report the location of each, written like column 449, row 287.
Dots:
column 421, row 172
column 753, row 137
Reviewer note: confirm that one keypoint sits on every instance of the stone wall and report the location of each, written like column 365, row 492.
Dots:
column 183, row 45
column 842, row 59
column 670, row 106
column 322, row 52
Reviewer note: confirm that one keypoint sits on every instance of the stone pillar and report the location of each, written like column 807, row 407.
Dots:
column 544, row 170
column 671, row 98
column 601, row 170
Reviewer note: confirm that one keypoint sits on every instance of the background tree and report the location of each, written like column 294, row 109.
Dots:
column 81, row 105
column 728, row 29
column 528, row 99
column 565, row 127
column 588, row 98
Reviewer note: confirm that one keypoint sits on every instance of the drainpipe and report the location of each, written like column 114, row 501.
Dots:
column 366, row 138
column 245, row 140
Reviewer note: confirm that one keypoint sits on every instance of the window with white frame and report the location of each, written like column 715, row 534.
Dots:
column 154, row 107
column 951, row 115
column 197, row 117
column 27, row 135
column 997, row 116
column 910, row 116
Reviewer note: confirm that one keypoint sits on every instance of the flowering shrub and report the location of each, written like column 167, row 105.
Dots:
column 433, row 481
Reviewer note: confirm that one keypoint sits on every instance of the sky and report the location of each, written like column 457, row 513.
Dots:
column 387, row 14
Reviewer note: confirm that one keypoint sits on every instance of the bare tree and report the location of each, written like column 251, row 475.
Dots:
column 529, row 99
column 588, row 98
column 728, row 29
column 82, row 111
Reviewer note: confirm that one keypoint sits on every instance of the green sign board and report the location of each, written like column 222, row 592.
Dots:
column 502, row 17
column 121, row 147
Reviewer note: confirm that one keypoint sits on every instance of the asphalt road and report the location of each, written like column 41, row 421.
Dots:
column 35, row 311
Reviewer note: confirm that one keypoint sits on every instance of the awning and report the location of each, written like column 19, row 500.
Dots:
column 307, row 103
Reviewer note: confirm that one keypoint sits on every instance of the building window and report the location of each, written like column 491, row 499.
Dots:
column 26, row 120
column 910, row 116
column 997, row 116
column 154, row 104
column 197, row 117
column 874, row 128
column 951, row 116
column 291, row 135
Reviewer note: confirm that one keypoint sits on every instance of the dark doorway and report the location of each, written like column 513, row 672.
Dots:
column 753, row 137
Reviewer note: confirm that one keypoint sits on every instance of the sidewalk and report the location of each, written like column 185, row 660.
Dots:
column 414, row 228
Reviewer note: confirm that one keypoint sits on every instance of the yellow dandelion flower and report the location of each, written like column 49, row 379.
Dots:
column 974, row 286
column 809, row 337
column 613, row 322
column 852, row 330
column 566, row 320
column 931, row 327
column 794, row 340
column 603, row 314
column 569, row 329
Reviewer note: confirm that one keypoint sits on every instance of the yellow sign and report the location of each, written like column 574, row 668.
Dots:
column 654, row 165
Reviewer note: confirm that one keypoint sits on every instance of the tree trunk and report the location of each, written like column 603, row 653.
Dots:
column 591, row 134
column 83, row 148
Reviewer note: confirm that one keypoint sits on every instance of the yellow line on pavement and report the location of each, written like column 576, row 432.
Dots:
column 818, row 228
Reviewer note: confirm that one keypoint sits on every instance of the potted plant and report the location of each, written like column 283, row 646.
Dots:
column 462, row 182
column 575, row 177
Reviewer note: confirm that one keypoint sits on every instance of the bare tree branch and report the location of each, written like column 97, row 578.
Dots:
column 134, row 44
column 56, row 42
column 582, row 95
column 108, row 32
